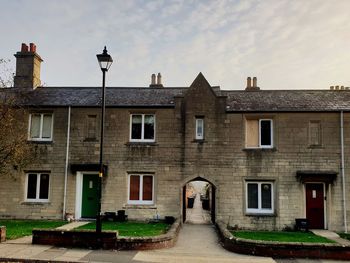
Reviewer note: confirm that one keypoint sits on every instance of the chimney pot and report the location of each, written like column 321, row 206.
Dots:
column 32, row 47
column 332, row 87
column 337, row 87
column 153, row 79
column 159, row 79
column 342, row 87
column 24, row 48
column 255, row 82
column 249, row 82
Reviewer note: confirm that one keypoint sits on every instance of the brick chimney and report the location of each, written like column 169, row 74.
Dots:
column 250, row 86
column 27, row 67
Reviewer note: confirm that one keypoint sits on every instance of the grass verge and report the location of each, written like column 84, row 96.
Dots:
column 20, row 228
column 132, row 229
column 281, row 236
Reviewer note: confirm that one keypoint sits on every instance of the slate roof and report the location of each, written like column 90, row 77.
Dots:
column 237, row 101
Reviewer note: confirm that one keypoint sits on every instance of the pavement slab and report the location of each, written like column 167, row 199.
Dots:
column 73, row 225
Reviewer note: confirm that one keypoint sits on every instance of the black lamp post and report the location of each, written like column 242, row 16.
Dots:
column 105, row 61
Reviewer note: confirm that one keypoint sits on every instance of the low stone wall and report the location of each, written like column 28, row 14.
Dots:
column 282, row 249
column 107, row 239
column 75, row 238
column 2, row 234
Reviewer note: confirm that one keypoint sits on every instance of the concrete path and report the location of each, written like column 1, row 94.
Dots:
column 330, row 235
column 73, row 225
column 197, row 215
column 196, row 243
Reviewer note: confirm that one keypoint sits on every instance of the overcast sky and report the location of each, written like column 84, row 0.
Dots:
column 299, row 44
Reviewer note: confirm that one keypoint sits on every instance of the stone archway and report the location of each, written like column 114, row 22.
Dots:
column 211, row 203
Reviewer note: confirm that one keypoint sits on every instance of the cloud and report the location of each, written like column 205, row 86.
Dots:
column 286, row 44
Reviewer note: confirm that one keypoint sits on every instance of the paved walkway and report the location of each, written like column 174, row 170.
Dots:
column 330, row 235
column 197, row 215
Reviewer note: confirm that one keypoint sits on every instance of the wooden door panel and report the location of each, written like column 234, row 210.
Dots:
column 315, row 205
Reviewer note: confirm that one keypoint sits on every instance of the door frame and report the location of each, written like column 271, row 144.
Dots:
column 79, row 192
column 325, row 197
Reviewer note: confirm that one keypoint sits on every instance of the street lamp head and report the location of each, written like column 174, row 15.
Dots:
column 105, row 60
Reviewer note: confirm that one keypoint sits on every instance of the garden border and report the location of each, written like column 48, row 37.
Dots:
column 281, row 249
column 106, row 240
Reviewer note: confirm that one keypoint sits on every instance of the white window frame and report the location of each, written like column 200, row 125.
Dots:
column 143, row 128
column 271, row 128
column 37, row 199
column 140, row 201
column 198, row 121
column 40, row 128
column 260, row 210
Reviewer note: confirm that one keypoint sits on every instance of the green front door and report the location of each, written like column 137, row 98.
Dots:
column 89, row 198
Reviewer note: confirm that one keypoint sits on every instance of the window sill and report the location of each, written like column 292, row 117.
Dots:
column 261, row 214
column 315, row 147
column 141, row 144
column 36, row 203
column 273, row 149
column 90, row 140
column 40, row 142
column 140, row 206
column 199, row 141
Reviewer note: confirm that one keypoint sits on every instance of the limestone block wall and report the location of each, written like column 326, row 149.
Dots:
column 51, row 159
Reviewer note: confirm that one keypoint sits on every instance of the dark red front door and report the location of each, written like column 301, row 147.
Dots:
column 315, row 205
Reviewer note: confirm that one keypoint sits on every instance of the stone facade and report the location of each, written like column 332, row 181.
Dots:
column 176, row 158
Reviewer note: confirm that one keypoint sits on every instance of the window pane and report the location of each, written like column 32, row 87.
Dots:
column 134, row 187
column 35, row 126
column 253, row 196
column 199, row 126
column 149, row 127
column 147, row 188
column 31, row 190
column 265, row 131
column 136, row 127
column 44, row 186
column 266, row 196
column 47, row 126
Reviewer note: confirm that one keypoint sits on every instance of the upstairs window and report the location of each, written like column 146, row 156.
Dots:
column 140, row 189
column 259, row 133
column 315, row 133
column 199, row 128
column 259, row 197
column 142, row 128
column 40, row 126
column 37, row 187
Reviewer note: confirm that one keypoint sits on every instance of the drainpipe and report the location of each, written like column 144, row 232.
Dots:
column 342, row 169
column 66, row 166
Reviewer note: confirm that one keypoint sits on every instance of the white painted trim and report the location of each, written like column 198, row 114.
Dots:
column 66, row 165
column 199, row 136
column 260, row 210
column 40, row 139
column 37, row 199
column 79, row 191
column 271, row 136
column 140, row 201
column 78, row 194
column 142, row 128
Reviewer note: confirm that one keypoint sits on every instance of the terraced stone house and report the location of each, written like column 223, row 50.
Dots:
column 270, row 155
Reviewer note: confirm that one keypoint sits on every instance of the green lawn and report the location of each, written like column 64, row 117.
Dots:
column 132, row 229
column 20, row 228
column 282, row 236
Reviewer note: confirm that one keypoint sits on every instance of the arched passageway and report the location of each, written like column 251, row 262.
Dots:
column 198, row 201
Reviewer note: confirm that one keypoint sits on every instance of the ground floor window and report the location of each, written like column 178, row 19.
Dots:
column 37, row 187
column 259, row 197
column 141, row 189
